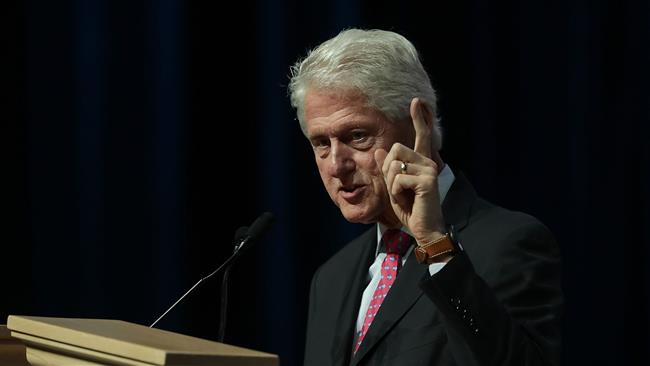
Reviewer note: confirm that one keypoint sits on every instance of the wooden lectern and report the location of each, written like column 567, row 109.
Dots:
column 83, row 342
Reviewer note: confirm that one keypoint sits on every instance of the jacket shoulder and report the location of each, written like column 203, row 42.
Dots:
column 504, row 222
column 349, row 257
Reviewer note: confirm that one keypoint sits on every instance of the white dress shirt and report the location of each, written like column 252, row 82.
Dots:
column 445, row 180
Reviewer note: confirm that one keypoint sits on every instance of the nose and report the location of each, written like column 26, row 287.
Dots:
column 341, row 162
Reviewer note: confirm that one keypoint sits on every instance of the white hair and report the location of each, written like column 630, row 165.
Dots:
column 383, row 66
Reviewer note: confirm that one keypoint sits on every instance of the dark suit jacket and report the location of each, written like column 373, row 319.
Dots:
column 497, row 303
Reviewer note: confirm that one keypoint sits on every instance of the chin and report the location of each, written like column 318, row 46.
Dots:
column 359, row 216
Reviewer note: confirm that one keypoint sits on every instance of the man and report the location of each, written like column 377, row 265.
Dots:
column 444, row 278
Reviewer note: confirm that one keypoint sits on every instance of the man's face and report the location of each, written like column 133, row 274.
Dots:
column 344, row 134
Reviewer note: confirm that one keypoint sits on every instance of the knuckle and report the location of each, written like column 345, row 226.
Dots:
column 395, row 164
column 430, row 164
column 398, row 147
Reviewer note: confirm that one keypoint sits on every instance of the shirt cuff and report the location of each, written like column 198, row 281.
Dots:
column 435, row 267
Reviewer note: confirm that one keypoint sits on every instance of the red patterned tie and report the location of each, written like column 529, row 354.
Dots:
column 397, row 243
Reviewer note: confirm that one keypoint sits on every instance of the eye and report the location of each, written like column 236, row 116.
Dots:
column 358, row 135
column 319, row 143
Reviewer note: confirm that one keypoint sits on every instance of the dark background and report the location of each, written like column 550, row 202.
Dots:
column 137, row 136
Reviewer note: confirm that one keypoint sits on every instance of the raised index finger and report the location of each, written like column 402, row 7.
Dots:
column 423, row 124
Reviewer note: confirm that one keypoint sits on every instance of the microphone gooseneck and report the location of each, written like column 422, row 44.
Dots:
column 259, row 227
column 240, row 234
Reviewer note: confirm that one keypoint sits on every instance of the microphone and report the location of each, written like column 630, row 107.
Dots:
column 259, row 227
column 240, row 235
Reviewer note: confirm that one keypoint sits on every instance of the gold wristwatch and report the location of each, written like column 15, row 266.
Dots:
column 430, row 253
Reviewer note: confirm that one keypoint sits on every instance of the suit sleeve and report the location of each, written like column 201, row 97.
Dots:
column 311, row 340
column 509, row 315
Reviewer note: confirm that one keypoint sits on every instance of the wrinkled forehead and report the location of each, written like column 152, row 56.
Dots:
column 329, row 114
column 322, row 103
column 335, row 95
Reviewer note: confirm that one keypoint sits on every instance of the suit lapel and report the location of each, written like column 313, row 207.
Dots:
column 352, row 294
column 405, row 291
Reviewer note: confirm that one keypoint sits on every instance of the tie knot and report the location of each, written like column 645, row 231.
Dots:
column 396, row 241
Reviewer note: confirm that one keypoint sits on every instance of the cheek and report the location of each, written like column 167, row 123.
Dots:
column 322, row 171
column 367, row 163
column 378, row 182
column 379, row 187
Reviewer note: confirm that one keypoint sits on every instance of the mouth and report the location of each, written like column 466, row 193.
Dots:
column 351, row 192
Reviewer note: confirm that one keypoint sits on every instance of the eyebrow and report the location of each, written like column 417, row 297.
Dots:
column 338, row 130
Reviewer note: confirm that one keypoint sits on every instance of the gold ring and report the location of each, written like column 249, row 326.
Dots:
column 403, row 167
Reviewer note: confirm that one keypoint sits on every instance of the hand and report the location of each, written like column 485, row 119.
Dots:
column 414, row 193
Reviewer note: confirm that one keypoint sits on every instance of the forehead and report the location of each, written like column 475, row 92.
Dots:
column 330, row 110
column 324, row 103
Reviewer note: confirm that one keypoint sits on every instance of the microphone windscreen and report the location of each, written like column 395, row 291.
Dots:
column 240, row 234
column 261, row 225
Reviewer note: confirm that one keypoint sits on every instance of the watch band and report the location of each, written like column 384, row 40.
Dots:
column 427, row 254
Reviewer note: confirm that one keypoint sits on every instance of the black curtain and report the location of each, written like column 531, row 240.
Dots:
column 139, row 135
